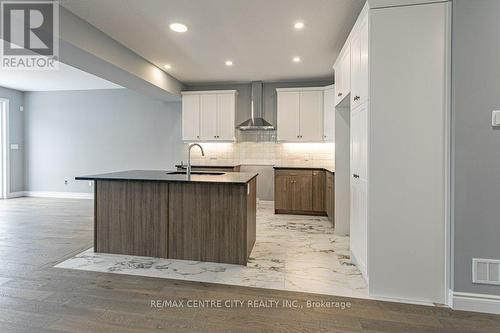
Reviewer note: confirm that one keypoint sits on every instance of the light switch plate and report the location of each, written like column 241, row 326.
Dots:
column 495, row 118
column 21, row 108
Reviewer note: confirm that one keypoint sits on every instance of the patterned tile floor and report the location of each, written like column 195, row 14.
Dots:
column 296, row 253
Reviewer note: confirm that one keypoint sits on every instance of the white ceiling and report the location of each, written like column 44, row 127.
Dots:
column 257, row 35
column 66, row 78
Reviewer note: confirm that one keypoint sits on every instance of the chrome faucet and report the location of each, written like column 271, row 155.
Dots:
column 188, row 169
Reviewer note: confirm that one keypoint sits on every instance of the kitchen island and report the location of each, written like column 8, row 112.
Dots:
column 208, row 217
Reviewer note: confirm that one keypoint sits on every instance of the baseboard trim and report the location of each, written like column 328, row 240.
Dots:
column 18, row 194
column 476, row 302
column 400, row 300
column 361, row 266
column 60, row 195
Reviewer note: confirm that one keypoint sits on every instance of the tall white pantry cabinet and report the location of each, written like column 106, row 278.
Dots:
column 392, row 76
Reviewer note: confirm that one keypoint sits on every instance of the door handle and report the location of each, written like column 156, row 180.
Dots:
column 355, row 175
column 339, row 94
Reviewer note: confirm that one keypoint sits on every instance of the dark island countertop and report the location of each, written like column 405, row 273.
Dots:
column 163, row 176
column 298, row 167
column 213, row 166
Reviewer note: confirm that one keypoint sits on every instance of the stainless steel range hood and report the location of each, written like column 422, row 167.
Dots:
column 257, row 121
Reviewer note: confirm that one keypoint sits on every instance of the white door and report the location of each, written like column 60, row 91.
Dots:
column 346, row 72
column 363, row 61
column 288, row 115
column 226, row 104
column 359, row 185
column 329, row 115
column 190, row 117
column 311, row 115
column 208, row 117
column 338, row 82
column 355, row 69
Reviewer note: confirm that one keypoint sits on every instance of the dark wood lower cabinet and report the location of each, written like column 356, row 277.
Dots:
column 300, row 191
column 200, row 221
column 131, row 218
column 330, row 196
column 218, row 229
column 319, row 190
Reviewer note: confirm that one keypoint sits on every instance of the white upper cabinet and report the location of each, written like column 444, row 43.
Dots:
column 191, row 117
column 343, row 74
column 288, row 115
column 359, row 64
column 329, row 114
column 226, row 104
column 300, row 114
column 208, row 115
column 311, row 116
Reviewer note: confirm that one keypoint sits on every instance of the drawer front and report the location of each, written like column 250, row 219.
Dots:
column 293, row 172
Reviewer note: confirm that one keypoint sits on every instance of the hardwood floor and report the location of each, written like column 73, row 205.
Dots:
column 35, row 297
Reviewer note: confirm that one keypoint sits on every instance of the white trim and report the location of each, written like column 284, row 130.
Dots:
column 61, row 195
column 400, row 300
column 299, row 89
column 448, row 203
column 476, row 302
column 361, row 266
column 208, row 92
column 16, row 194
column 5, row 149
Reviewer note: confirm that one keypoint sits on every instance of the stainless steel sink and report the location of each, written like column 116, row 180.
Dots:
column 196, row 173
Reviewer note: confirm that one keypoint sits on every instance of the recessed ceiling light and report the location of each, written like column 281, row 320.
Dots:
column 167, row 66
column 178, row 27
column 296, row 59
column 298, row 25
column 229, row 63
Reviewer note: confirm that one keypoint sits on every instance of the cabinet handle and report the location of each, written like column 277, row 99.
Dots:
column 339, row 94
column 197, row 136
column 355, row 176
column 357, row 98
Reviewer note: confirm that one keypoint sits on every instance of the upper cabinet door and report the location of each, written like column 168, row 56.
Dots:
column 226, row 106
column 343, row 74
column 190, row 117
column 346, row 72
column 359, row 65
column 329, row 115
column 288, row 115
column 363, row 67
column 311, row 115
column 355, row 69
column 208, row 117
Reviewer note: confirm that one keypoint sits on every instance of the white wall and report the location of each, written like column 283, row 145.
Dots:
column 407, row 154
column 75, row 133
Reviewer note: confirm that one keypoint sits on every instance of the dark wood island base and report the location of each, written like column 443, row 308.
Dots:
column 188, row 220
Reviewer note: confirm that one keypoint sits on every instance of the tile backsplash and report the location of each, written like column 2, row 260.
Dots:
column 265, row 153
